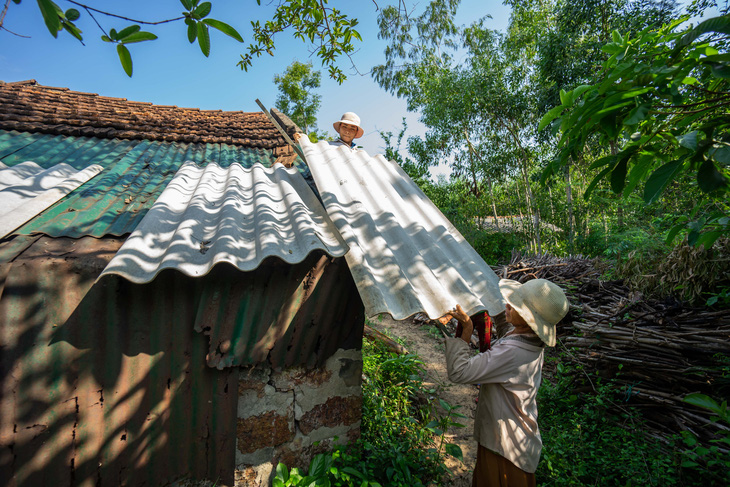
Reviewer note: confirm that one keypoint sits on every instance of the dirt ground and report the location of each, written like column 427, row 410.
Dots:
column 426, row 341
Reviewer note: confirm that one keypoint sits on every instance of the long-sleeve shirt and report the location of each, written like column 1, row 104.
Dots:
column 510, row 375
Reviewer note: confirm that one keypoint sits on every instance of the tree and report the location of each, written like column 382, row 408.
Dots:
column 663, row 101
column 477, row 111
column 297, row 98
column 329, row 31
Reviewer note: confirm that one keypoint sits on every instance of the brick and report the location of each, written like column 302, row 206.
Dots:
column 337, row 411
column 264, row 430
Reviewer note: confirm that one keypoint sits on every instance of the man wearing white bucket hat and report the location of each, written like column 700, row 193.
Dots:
column 348, row 128
column 505, row 425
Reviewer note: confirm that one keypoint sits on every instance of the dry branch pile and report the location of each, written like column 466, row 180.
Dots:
column 664, row 350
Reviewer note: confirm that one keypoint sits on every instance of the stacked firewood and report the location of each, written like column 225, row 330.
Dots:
column 658, row 351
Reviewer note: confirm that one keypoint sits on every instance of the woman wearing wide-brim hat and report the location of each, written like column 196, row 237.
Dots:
column 505, row 425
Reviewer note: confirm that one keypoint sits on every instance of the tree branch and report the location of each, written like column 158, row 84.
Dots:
column 5, row 10
column 109, row 14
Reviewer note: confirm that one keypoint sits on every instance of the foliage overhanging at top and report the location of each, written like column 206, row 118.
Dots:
column 664, row 99
column 328, row 30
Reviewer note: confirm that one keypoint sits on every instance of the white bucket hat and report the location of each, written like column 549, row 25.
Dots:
column 350, row 118
column 541, row 303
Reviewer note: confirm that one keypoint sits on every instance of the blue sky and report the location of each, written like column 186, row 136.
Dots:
column 170, row 71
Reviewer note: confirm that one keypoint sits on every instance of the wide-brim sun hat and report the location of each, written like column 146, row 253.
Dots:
column 350, row 118
column 541, row 303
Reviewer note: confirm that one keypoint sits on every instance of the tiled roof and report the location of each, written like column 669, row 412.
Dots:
column 26, row 106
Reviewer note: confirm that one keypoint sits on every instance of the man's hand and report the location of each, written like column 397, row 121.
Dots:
column 467, row 327
column 297, row 136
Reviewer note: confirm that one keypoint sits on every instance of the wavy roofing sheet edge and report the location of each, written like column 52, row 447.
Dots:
column 405, row 255
column 212, row 214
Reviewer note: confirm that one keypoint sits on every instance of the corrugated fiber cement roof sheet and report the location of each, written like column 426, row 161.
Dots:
column 237, row 215
column 405, row 255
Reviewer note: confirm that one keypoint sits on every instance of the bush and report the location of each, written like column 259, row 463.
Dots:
column 401, row 440
column 595, row 438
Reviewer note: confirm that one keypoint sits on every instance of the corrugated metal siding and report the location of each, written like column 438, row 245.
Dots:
column 405, row 255
column 105, row 382
column 241, row 216
column 135, row 173
column 106, row 385
column 27, row 189
column 301, row 314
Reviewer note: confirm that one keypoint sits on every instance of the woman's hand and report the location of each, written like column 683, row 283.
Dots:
column 467, row 327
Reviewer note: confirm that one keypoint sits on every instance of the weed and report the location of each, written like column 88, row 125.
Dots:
column 402, row 438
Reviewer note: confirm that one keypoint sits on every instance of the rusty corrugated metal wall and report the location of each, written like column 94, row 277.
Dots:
column 118, row 393
column 106, row 383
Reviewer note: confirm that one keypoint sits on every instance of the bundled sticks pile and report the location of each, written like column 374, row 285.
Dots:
column 660, row 351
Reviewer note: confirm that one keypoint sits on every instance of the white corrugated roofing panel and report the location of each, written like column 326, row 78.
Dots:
column 405, row 255
column 238, row 215
column 27, row 189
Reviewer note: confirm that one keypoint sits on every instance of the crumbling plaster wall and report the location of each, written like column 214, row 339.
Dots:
column 291, row 415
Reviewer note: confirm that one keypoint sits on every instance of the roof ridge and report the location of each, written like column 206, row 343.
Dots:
column 31, row 107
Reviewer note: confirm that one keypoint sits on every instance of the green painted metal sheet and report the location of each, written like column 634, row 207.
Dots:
column 135, row 173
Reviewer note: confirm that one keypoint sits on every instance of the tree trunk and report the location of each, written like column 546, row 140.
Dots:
column 569, row 205
column 531, row 206
column 619, row 208
column 494, row 203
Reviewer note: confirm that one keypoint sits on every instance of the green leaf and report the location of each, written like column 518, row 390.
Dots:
column 689, row 140
column 703, row 401
column 282, row 472
column 352, row 471
column 638, row 171
column 50, row 16
column 720, row 153
column 127, row 31
column 566, row 98
column 72, row 29
column 317, row 467
column 618, row 175
column 550, row 116
column 202, row 10
column 454, row 451
column 609, row 159
column 716, row 24
column 192, row 30
column 709, row 178
column 673, row 232
column 139, row 37
column 720, row 70
column 638, row 114
column 595, row 182
column 659, row 179
column 72, row 14
column 204, row 38
column 445, row 405
column 225, row 28
column 580, row 90
column 708, row 239
column 105, row 39
column 125, row 58
column 188, row 4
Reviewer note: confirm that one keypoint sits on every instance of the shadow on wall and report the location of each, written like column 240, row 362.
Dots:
column 118, row 392
column 109, row 382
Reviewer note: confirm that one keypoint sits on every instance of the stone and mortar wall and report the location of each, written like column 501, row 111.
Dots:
column 291, row 415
